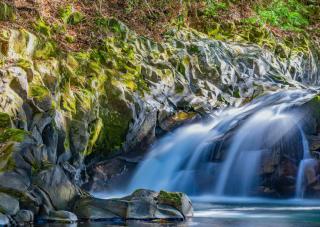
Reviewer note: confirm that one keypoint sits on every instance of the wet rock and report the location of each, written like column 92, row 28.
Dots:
column 178, row 200
column 8, row 204
column 4, row 220
column 102, row 174
column 60, row 216
column 93, row 208
column 314, row 142
column 141, row 204
column 24, row 216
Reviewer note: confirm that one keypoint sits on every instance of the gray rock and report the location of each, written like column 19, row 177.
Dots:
column 8, row 204
column 57, row 186
column 4, row 220
column 60, row 216
column 142, row 204
column 90, row 208
column 24, row 216
column 15, row 181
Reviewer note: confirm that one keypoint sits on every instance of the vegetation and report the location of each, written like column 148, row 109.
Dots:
column 77, row 25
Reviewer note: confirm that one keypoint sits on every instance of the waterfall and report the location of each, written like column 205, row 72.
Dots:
column 184, row 160
column 306, row 161
column 259, row 133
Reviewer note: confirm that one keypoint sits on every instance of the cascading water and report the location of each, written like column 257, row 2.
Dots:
column 307, row 161
column 183, row 160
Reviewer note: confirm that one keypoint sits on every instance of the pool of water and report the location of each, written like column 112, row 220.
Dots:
column 239, row 212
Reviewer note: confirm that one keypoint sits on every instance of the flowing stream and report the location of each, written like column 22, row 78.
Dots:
column 222, row 155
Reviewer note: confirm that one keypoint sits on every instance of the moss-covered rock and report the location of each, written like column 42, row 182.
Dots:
column 7, row 12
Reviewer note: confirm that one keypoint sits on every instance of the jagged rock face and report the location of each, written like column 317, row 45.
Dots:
column 57, row 109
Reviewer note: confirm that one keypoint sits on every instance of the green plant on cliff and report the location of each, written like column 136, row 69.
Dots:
column 287, row 15
column 42, row 27
column 70, row 16
column 214, row 6
column 12, row 134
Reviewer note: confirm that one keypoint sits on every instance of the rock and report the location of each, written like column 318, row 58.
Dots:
column 314, row 142
column 8, row 204
column 141, row 204
column 178, row 200
column 60, row 216
column 24, row 216
column 4, row 220
column 57, row 186
column 93, row 209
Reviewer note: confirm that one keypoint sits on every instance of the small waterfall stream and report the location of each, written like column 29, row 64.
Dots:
column 183, row 160
column 307, row 161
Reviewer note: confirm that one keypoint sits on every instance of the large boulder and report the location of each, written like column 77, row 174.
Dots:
column 141, row 204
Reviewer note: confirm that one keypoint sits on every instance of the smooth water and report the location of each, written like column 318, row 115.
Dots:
column 182, row 160
column 236, row 212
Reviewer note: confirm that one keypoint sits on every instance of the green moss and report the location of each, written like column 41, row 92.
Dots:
column 170, row 198
column 38, row 91
column 42, row 27
column 70, row 16
column 7, row 162
column 95, row 130
column 45, row 50
column 12, row 134
column 76, row 18
column 5, row 121
column 70, row 38
column 7, row 12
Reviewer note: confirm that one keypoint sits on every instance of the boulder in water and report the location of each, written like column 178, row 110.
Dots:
column 141, row 204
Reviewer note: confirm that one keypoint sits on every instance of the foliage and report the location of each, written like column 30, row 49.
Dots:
column 12, row 134
column 42, row 27
column 70, row 16
column 287, row 15
column 213, row 7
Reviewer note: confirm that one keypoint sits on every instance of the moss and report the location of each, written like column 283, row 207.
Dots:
column 67, row 102
column 7, row 162
column 37, row 167
column 182, row 116
column 70, row 38
column 5, row 121
column 38, row 91
column 12, row 134
column 70, row 16
column 75, row 18
column 24, row 63
column 95, row 131
column 170, row 198
column 42, row 27
column 45, row 50
column 7, row 12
